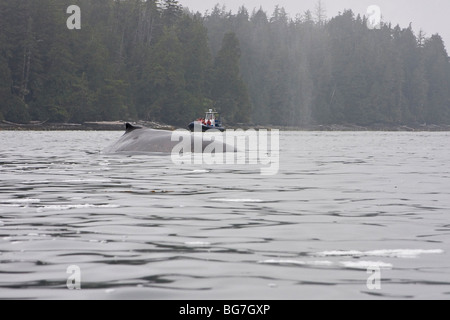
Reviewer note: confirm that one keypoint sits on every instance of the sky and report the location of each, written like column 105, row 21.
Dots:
column 433, row 16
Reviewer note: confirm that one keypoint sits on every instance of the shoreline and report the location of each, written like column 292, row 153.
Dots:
column 355, row 128
column 120, row 126
column 86, row 126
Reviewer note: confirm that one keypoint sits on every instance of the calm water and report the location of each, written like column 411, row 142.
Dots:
column 141, row 227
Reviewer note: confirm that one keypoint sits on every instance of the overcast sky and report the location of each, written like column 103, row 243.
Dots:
column 433, row 16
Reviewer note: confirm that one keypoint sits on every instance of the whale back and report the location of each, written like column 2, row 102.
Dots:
column 144, row 140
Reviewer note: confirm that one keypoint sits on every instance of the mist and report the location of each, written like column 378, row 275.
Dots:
column 431, row 16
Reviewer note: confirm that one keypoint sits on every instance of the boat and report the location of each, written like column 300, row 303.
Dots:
column 210, row 122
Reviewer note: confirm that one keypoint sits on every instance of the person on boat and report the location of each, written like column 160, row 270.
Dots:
column 209, row 122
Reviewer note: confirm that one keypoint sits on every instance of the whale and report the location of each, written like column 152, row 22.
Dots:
column 137, row 140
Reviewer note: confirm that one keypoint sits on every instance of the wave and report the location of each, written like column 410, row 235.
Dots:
column 76, row 206
column 390, row 253
column 20, row 201
column 325, row 263
column 297, row 262
column 238, row 200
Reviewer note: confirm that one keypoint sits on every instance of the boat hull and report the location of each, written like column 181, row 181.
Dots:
column 205, row 127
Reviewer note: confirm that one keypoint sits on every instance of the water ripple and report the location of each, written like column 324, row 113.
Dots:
column 140, row 227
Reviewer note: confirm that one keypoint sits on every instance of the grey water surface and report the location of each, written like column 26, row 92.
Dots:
column 347, row 210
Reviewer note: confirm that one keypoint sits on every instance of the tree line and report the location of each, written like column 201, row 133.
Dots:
column 131, row 59
column 155, row 60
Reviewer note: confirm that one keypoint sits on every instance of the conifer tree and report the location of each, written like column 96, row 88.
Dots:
column 228, row 89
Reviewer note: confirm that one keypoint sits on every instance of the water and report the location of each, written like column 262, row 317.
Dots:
column 141, row 227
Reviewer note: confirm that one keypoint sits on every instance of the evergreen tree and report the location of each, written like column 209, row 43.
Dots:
column 228, row 89
column 155, row 60
column 437, row 72
column 172, row 11
column 320, row 13
column 166, row 78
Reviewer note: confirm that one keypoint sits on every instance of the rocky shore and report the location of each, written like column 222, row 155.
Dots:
column 349, row 127
column 120, row 126
column 86, row 126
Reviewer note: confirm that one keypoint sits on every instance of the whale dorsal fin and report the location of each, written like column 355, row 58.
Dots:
column 129, row 127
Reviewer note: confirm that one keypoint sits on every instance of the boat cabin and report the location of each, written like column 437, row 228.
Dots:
column 211, row 121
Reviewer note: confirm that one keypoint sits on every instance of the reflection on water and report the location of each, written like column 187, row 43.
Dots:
column 141, row 227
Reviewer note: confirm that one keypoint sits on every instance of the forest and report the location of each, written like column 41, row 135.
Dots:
column 157, row 61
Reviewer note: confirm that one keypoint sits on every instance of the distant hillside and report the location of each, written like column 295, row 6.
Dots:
column 156, row 61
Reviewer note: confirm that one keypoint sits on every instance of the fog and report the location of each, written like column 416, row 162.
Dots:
column 431, row 16
column 268, row 70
